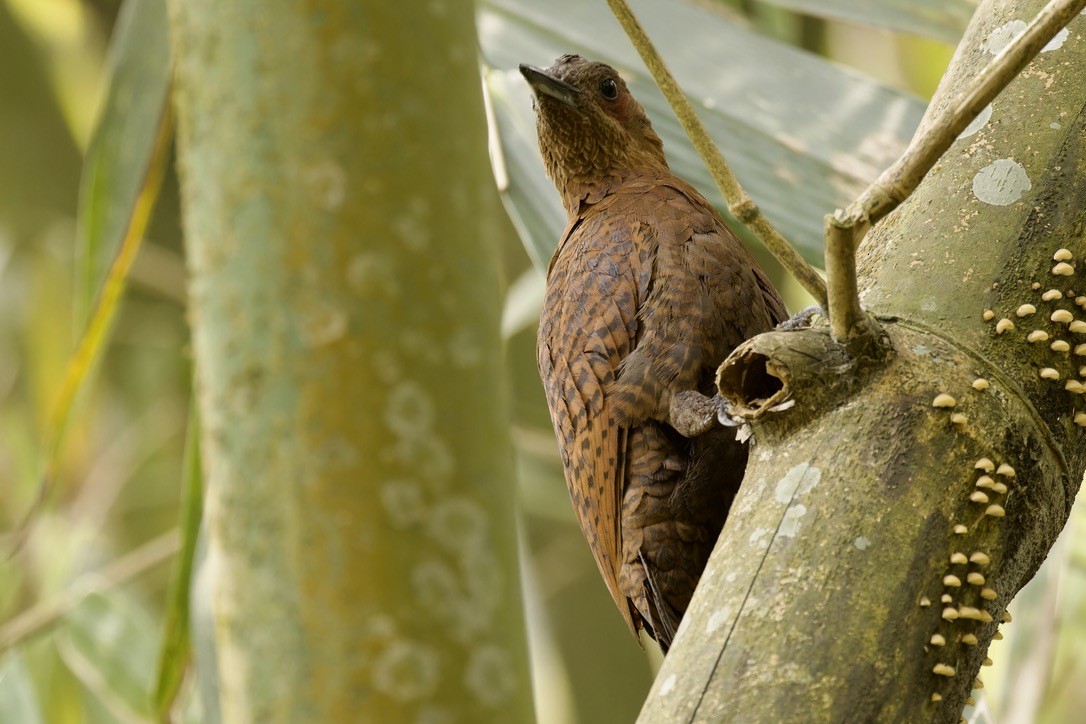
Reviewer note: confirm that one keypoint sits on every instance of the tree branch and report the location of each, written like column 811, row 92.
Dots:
column 845, row 230
column 890, row 511
column 740, row 204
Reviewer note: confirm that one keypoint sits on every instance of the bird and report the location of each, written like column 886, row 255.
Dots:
column 647, row 292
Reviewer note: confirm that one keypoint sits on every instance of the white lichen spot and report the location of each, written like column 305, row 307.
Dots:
column 862, row 543
column 1055, row 126
column 464, row 348
column 669, row 685
column 430, row 714
column 465, row 603
column 1057, row 41
column 473, row 615
column 406, row 670
column 409, row 412
column 404, row 502
column 386, row 366
column 336, row 452
column 483, row 579
column 978, row 123
column 799, row 480
column 380, row 627
column 1003, row 35
column 792, row 517
column 490, row 675
column 718, row 619
column 322, row 324
column 1001, row 182
column 430, row 457
column 371, row 274
column 327, row 184
column 459, row 524
column 760, row 537
column 411, row 224
column 435, row 586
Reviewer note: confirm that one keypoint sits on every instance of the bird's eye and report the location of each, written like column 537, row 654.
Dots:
column 609, row 89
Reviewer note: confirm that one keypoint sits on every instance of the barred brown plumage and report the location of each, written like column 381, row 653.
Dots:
column 647, row 292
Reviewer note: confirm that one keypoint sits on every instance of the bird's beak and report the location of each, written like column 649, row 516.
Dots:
column 544, row 84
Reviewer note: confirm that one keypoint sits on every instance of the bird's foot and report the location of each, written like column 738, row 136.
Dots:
column 802, row 319
column 692, row 413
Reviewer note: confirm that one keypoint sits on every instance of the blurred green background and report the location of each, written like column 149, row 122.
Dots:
column 809, row 100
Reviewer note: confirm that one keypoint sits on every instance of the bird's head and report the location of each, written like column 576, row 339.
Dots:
column 591, row 129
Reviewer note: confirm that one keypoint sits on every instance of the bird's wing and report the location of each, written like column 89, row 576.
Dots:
column 706, row 295
column 588, row 325
column 751, row 289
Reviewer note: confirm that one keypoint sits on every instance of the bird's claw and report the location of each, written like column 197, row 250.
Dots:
column 693, row 414
column 802, row 319
column 724, row 414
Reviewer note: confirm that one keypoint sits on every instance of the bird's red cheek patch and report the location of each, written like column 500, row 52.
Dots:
column 619, row 109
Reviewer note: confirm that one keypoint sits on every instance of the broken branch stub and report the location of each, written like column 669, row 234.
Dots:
column 767, row 372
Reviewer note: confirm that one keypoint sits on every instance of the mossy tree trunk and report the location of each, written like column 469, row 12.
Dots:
column 880, row 532
column 340, row 220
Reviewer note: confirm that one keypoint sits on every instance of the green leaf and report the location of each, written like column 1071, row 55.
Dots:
column 938, row 19
column 18, row 698
column 130, row 149
column 123, row 146
column 109, row 643
column 804, row 136
column 174, row 654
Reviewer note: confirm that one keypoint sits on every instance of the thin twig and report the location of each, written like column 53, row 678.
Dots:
column 740, row 204
column 44, row 615
column 845, row 230
column 901, row 179
column 841, row 275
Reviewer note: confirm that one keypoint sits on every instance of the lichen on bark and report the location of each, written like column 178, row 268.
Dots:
column 883, row 527
column 340, row 230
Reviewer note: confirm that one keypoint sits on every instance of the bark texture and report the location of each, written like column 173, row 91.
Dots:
column 339, row 214
column 880, row 532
